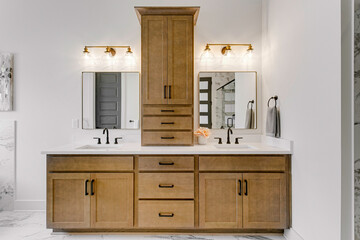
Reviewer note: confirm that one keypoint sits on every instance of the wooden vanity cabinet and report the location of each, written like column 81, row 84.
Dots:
column 77, row 200
column 172, row 193
column 248, row 192
column 167, row 74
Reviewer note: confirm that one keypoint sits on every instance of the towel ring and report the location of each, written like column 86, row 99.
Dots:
column 275, row 99
column 252, row 102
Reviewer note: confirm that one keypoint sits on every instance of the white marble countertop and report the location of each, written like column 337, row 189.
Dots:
column 137, row 149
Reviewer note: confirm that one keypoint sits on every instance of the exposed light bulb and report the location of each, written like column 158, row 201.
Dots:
column 207, row 56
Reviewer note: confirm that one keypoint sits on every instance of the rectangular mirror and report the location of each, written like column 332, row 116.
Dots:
column 228, row 98
column 110, row 100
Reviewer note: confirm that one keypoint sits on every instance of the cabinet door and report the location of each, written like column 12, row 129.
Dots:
column 111, row 200
column 220, row 200
column 154, row 59
column 264, row 200
column 180, row 59
column 68, row 200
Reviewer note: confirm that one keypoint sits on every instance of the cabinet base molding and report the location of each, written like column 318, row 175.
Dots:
column 171, row 231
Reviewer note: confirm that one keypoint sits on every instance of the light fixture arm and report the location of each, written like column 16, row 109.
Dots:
column 108, row 49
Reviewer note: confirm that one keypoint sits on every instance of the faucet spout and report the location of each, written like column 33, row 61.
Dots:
column 228, row 135
column 107, row 135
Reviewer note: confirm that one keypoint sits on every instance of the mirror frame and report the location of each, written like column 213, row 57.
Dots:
column 82, row 98
column 256, row 97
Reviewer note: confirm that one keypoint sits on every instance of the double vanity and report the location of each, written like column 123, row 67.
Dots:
column 199, row 189
column 164, row 182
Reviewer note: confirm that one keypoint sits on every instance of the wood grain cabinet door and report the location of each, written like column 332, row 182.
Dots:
column 154, row 60
column 111, row 200
column 68, row 200
column 180, row 59
column 264, row 200
column 220, row 200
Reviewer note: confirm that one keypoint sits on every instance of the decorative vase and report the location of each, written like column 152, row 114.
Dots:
column 202, row 140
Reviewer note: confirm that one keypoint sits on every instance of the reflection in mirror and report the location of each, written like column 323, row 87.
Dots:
column 110, row 100
column 228, row 97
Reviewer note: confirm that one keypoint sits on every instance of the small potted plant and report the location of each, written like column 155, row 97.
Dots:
column 203, row 134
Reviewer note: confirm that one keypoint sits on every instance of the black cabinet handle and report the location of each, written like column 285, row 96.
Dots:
column 167, row 137
column 240, row 190
column 167, row 123
column 86, row 190
column 166, row 215
column 246, row 188
column 166, row 185
column 169, row 91
column 92, row 187
column 163, row 110
column 166, row 163
column 164, row 91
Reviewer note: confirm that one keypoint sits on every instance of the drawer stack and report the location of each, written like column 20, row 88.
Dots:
column 166, row 125
column 166, row 192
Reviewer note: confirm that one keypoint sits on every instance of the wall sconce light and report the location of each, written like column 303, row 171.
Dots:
column 109, row 50
column 226, row 49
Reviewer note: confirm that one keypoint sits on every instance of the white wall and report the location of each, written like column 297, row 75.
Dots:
column 301, row 64
column 48, row 36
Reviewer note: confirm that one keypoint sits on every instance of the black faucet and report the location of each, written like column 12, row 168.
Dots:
column 107, row 135
column 228, row 135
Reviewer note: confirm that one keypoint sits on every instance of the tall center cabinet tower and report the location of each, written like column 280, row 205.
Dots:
column 167, row 74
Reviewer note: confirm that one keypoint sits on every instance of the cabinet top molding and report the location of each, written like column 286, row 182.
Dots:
column 141, row 11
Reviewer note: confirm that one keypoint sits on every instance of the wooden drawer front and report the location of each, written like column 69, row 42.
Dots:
column 90, row 163
column 166, row 214
column 242, row 163
column 167, row 110
column 166, row 185
column 167, row 138
column 166, row 163
column 167, row 123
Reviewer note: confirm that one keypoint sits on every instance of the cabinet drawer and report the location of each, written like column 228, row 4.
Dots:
column 166, row 185
column 242, row 163
column 166, row 214
column 166, row 163
column 167, row 123
column 167, row 138
column 167, row 110
column 90, row 163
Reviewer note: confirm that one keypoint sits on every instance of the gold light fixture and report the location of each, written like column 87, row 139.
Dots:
column 226, row 49
column 109, row 50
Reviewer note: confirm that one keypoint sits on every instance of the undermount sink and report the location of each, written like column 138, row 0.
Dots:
column 233, row 146
column 99, row 147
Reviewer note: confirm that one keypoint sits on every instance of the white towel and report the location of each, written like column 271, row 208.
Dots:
column 273, row 122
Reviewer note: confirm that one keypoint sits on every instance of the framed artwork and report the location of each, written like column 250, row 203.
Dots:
column 6, row 81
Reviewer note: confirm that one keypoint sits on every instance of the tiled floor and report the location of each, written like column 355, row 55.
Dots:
column 31, row 226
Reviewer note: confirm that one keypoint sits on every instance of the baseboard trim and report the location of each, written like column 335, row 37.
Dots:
column 29, row 205
column 291, row 234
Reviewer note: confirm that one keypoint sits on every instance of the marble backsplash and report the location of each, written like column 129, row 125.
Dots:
column 7, row 165
column 357, row 122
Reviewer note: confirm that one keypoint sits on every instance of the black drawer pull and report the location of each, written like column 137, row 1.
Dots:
column 166, row 185
column 166, row 163
column 167, row 137
column 86, row 183
column 164, row 91
column 166, row 215
column 167, row 123
column 246, row 188
column 169, row 91
column 167, row 110
column 92, row 187
column 240, row 188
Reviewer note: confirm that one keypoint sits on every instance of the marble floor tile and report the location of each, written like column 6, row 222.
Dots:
column 30, row 225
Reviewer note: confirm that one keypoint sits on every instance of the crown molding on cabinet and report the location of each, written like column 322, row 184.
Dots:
column 141, row 11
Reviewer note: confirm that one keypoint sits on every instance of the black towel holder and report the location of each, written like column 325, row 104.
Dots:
column 252, row 102
column 275, row 99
